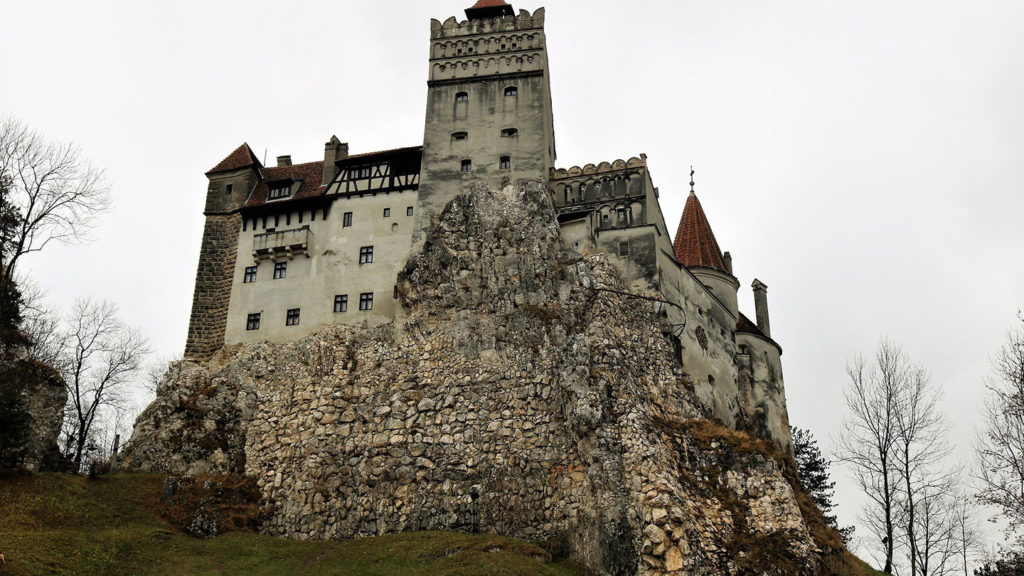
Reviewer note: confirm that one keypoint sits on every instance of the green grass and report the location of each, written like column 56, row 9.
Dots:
column 63, row 525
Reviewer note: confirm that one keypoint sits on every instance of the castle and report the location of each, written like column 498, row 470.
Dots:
column 290, row 249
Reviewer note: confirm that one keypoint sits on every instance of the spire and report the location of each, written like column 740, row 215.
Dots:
column 695, row 244
column 489, row 9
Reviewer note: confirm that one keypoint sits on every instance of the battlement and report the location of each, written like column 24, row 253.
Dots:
column 452, row 28
column 602, row 168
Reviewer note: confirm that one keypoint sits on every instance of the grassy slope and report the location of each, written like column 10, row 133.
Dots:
column 58, row 524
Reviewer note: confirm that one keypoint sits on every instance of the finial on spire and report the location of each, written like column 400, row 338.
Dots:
column 691, row 178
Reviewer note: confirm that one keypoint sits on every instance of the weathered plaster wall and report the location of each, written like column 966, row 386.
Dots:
column 329, row 267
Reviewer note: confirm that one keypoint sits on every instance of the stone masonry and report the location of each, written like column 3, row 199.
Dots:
column 213, row 285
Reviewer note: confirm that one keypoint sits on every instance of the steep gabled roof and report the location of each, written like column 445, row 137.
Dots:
column 695, row 244
column 242, row 157
column 309, row 175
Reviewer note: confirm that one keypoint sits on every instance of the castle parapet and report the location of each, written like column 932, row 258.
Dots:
column 453, row 27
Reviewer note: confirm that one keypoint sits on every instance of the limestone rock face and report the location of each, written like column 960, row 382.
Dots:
column 519, row 392
column 43, row 396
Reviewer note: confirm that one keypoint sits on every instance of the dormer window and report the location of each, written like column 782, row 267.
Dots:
column 280, row 190
column 460, row 135
column 509, row 132
column 511, row 91
column 462, row 97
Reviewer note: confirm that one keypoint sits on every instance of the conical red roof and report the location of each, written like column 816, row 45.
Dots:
column 695, row 244
column 242, row 157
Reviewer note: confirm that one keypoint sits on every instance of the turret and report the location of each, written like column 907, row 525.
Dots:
column 696, row 248
column 231, row 182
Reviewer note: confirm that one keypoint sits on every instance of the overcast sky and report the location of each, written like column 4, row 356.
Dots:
column 863, row 159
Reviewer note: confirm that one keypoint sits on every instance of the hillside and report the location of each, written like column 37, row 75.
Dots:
column 59, row 524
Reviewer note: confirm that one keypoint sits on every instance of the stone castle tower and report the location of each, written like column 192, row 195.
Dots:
column 488, row 105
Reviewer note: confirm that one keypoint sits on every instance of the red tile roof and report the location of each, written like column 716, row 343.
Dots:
column 488, row 4
column 695, row 244
column 309, row 174
column 242, row 157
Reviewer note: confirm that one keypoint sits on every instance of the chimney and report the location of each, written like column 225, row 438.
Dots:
column 728, row 262
column 334, row 150
column 761, row 307
column 285, row 160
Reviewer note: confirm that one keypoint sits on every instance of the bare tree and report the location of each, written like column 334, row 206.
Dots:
column 51, row 193
column 934, row 535
column 919, row 451
column 1000, row 445
column 969, row 543
column 99, row 358
column 39, row 323
column 868, row 440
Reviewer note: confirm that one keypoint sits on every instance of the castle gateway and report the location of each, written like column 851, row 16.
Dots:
column 292, row 248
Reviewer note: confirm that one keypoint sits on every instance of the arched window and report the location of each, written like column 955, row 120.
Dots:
column 511, row 91
column 460, row 135
column 462, row 97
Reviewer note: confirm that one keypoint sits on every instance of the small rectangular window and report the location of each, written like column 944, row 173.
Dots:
column 460, row 135
column 505, row 163
column 509, row 132
column 227, row 189
column 366, row 301
column 280, row 270
column 250, row 274
column 512, row 90
column 467, row 165
column 396, row 292
column 366, row 255
column 292, row 319
column 346, row 220
column 620, row 213
column 624, row 248
column 252, row 322
column 341, row 303
column 462, row 97
column 408, row 211
column 387, row 212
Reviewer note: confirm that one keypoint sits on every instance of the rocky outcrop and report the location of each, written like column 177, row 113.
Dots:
column 37, row 394
column 522, row 391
